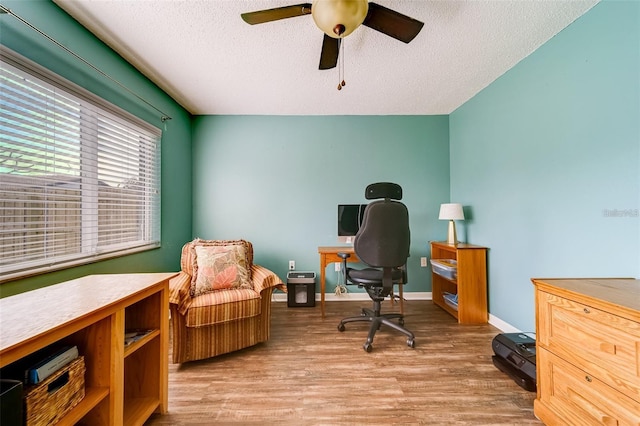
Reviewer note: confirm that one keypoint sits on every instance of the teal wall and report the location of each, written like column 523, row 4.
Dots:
column 540, row 155
column 277, row 181
column 176, row 138
column 536, row 158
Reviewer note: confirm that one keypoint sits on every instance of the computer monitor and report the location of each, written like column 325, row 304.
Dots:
column 349, row 220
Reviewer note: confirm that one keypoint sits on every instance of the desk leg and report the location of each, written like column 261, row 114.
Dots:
column 322, row 283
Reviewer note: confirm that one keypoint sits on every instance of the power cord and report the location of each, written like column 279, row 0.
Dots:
column 341, row 288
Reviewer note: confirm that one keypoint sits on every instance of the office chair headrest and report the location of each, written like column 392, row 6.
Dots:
column 383, row 190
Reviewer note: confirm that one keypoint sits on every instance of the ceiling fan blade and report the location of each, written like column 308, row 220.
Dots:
column 392, row 23
column 268, row 15
column 330, row 51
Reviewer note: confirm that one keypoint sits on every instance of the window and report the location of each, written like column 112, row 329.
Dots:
column 79, row 178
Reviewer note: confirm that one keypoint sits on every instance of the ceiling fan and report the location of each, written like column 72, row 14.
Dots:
column 339, row 18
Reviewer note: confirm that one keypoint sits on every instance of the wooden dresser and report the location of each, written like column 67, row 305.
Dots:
column 588, row 351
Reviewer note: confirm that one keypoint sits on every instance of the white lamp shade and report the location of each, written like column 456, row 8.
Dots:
column 451, row 211
column 327, row 14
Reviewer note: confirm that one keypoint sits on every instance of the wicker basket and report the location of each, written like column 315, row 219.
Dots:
column 47, row 402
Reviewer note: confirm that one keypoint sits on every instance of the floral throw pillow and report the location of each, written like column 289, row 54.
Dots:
column 218, row 268
column 188, row 257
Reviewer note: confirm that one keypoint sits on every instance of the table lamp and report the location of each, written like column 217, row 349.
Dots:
column 451, row 212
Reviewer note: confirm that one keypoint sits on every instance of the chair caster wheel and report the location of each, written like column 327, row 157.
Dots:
column 401, row 321
column 411, row 343
column 367, row 347
column 341, row 327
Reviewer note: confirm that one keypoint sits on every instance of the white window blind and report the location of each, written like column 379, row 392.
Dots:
column 78, row 181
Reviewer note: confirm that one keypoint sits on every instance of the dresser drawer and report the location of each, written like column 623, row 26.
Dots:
column 606, row 345
column 574, row 397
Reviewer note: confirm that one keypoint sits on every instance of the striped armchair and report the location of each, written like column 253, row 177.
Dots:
column 220, row 320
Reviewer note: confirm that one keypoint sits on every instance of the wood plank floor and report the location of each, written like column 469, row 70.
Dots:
column 309, row 373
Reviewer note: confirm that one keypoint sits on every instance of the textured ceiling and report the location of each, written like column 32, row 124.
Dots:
column 209, row 60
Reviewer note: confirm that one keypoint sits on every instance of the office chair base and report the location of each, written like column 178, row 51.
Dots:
column 376, row 322
column 371, row 313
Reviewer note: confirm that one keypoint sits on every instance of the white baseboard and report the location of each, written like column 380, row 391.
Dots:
column 347, row 297
column 501, row 325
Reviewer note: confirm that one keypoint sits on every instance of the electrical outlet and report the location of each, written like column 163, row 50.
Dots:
column 423, row 262
column 292, row 265
column 338, row 266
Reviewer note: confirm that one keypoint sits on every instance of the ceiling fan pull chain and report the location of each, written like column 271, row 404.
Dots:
column 342, row 83
column 340, row 49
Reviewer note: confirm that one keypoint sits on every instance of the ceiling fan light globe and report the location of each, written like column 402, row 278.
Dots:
column 329, row 14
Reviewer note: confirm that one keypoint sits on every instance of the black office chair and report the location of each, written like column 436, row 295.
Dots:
column 382, row 242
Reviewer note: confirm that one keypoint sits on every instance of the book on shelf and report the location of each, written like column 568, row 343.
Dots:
column 134, row 335
column 49, row 365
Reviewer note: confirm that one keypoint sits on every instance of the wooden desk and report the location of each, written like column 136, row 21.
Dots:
column 123, row 385
column 328, row 255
